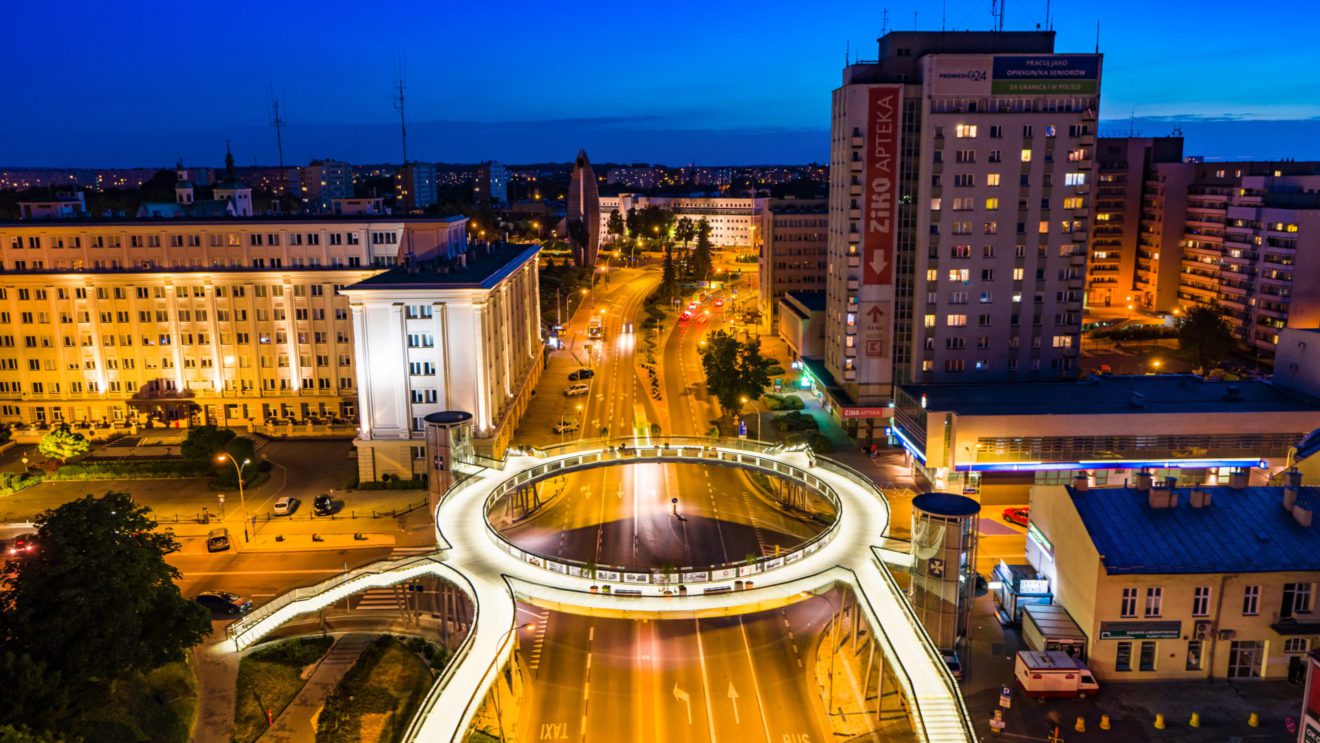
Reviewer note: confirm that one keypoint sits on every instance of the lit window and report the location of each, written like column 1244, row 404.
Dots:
column 1017, row 274
column 992, row 179
column 935, row 204
column 930, row 321
column 966, row 131
column 1074, row 179
column 1044, row 226
column 956, row 321
column 1026, row 155
column 932, row 275
column 993, row 203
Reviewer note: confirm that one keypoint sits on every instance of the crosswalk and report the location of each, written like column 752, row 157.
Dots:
column 533, row 654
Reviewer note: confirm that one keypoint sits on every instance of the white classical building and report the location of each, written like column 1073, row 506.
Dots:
column 733, row 222
column 466, row 337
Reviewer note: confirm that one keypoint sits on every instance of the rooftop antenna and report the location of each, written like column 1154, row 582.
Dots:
column 944, row 14
column 1049, row 24
column 403, row 122
column 1132, row 123
column 997, row 8
column 884, row 23
column 847, row 53
column 1097, row 37
column 915, row 23
column 278, row 123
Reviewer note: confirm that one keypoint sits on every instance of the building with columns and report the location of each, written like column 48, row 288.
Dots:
column 246, row 323
column 466, row 337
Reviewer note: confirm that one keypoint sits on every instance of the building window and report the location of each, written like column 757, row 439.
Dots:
column 1129, row 606
column 1297, row 645
column 1201, row 601
column 1147, row 662
column 1123, row 656
column 966, row 131
column 1250, row 601
column 1154, row 600
column 1194, row 653
column 1296, row 599
column 1026, row 155
column 1245, row 656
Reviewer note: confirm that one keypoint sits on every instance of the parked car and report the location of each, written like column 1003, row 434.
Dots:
column 323, row 505
column 577, row 389
column 223, row 602
column 1019, row 516
column 217, row 540
column 567, row 425
column 581, row 374
column 286, row 505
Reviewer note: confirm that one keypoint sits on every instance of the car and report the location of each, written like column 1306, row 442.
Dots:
column 581, row 388
column 1019, row 516
column 286, row 505
column 703, row 317
column 567, row 425
column 719, row 302
column 581, row 374
column 223, row 602
column 954, row 663
column 23, row 544
column 628, row 328
column 323, row 505
column 685, row 317
column 692, row 306
column 217, row 540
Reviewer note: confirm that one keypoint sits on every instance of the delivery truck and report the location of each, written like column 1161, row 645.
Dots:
column 1053, row 673
column 1051, row 627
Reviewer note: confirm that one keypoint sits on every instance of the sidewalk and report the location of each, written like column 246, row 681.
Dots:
column 216, row 666
column 298, row 721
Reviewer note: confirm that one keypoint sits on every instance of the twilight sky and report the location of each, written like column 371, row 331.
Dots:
column 91, row 83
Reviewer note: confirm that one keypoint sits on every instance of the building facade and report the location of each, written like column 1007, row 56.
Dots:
column 582, row 212
column 792, row 257
column 326, row 180
column 1183, row 583
column 960, row 193
column 1125, row 216
column 734, row 222
column 414, row 186
column 230, row 322
column 490, row 185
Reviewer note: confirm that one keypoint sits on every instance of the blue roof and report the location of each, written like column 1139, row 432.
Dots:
column 1139, row 394
column 1241, row 531
column 1309, row 445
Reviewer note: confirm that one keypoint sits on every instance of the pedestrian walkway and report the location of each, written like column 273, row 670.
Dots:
column 379, row 599
column 216, row 667
column 297, row 724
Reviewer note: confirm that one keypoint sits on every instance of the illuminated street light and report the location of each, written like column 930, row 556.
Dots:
column 242, row 502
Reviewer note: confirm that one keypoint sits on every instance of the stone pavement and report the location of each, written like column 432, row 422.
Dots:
column 216, row 667
column 298, row 720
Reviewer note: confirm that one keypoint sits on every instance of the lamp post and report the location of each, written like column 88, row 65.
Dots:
column 242, row 502
column 744, row 401
column 499, row 715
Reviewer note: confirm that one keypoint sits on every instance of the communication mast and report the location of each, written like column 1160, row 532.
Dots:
column 279, row 123
column 403, row 122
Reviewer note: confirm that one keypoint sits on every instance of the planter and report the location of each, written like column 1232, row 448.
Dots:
column 596, row 589
column 682, row 590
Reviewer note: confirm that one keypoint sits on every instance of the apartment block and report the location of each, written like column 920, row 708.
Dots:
column 414, row 186
column 792, row 257
column 960, row 195
column 326, row 180
column 1126, row 217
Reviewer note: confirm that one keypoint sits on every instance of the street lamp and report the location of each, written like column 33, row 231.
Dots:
column 499, row 715
column 242, row 502
column 744, row 401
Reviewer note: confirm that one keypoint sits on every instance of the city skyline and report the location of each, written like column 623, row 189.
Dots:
column 758, row 96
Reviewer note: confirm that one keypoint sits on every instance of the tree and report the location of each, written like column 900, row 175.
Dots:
column 239, row 449
column 63, row 444
column 734, row 370
column 685, row 230
column 1204, row 337
column 614, row 226
column 204, row 442
column 701, row 260
column 631, row 223
column 93, row 604
column 668, row 276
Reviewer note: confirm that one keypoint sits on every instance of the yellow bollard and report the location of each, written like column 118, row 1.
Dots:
column 1159, row 720
column 1195, row 722
column 1104, row 722
column 1081, row 724
column 1253, row 720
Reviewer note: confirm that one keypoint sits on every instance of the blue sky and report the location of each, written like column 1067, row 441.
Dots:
column 100, row 84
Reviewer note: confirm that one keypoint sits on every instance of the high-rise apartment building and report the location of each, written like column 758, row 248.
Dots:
column 491, row 183
column 414, row 186
column 256, row 322
column 1126, row 215
column 793, row 254
column 961, row 170
column 326, row 180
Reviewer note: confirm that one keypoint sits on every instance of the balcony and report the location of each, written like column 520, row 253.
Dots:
column 854, row 261
column 1298, row 624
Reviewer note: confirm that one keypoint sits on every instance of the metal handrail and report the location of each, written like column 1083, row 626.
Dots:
column 629, row 452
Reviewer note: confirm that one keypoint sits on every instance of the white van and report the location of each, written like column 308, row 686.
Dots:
column 1053, row 673
column 575, row 390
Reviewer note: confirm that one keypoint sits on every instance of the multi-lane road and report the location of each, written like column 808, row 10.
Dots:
column 744, row 678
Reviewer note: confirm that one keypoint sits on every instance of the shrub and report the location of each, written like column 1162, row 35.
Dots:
column 795, row 422
column 12, row 482
column 783, row 402
column 394, row 483
column 130, row 470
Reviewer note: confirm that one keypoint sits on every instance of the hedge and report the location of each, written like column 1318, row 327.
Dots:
column 130, row 470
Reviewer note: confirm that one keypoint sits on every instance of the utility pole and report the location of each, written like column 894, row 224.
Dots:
column 403, row 122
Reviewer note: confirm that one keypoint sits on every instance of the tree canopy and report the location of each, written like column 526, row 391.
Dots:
column 94, row 603
column 734, row 369
column 1204, row 337
column 62, row 443
column 701, row 263
column 204, row 442
column 614, row 226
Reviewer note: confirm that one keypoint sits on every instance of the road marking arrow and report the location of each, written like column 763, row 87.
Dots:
column 733, row 699
column 683, row 697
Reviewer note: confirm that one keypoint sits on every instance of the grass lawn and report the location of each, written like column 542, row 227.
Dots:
column 269, row 678
column 377, row 697
column 156, row 706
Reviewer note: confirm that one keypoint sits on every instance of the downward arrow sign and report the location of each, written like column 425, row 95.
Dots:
column 733, row 699
column 878, row 262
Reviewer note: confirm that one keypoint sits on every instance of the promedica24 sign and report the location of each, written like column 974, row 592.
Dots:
column 1054, row 74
